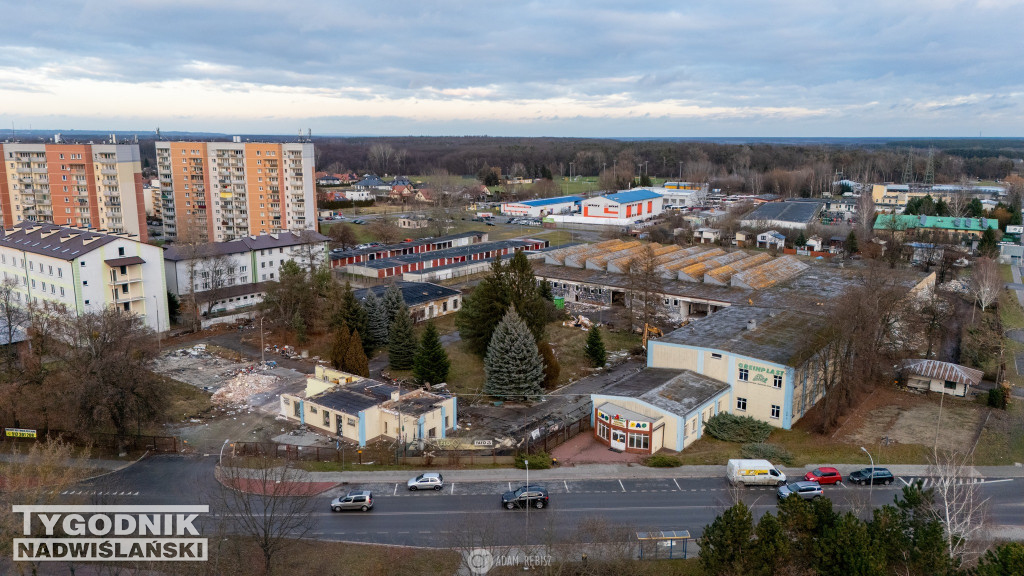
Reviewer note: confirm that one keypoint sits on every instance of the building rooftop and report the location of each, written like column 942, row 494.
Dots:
column 908, row 222
column 64, row 242
column 414, row 293
column 776, row 335
column 676, row 391
column 946, row 371
column 550, row 201
column 456, row 252
column 178, row 252
column 632, row 196
column 414, row 403
column 796, row 212
column 403, row 245
column 354, row 397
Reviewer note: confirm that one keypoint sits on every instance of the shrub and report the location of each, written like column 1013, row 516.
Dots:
column 997, row 397
column 663, row 461
column 732, row 428
column 771, row 452
column 538, row 460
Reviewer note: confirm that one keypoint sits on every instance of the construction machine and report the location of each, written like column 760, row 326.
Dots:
column 651, row 332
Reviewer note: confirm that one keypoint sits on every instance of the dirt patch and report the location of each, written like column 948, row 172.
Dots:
column 890, row 416
column 242, row 386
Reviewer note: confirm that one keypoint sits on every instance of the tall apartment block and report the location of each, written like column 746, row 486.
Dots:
column 220, row 191
column 97, row 186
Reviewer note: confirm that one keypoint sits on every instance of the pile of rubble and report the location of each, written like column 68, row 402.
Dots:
column 242, row 386
column 956, row 286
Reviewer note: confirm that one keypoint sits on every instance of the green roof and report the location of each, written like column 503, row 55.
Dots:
column 909, row 221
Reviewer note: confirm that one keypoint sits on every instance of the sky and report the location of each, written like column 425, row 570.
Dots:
column 577, row 68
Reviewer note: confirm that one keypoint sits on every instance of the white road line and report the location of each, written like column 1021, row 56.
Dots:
column 904, row 481
column 395, row 493
column 677, row 484
column 509, row 486
column 453, row 488
column 566, row 482
column 997, row 481
column 621, row 486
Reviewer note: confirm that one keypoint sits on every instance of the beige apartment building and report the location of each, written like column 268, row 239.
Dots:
column 220, row 191
column 96, row 186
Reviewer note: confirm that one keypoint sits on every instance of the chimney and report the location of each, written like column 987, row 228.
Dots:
column 751, row 324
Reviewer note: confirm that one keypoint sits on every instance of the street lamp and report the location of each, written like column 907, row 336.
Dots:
column 871, row 478
column 263, row 350
column 156, row 311
column 221, row 462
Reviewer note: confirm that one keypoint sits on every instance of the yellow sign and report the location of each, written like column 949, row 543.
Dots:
column 19, row 433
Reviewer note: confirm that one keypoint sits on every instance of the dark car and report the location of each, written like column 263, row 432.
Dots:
column 824, row 475
column 803, row 489
column 533, row 495
column 871, row 476
column 489, row 223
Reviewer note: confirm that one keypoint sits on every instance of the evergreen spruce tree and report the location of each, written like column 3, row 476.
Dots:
column 355, row 358
column 376, row 319
column 351, row 312
column 725, row 545
column 431, row 364
column 483, row 308
column 851, row 244
column 401, row 341
column 801, row 240
column 513, row 364
column 771, row 547
column 594, row 348
column 988, row 245
column 1016, row 218
column 393, row 302
column 339, row 346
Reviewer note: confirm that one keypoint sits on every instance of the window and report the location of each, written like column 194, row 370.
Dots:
column 327, row 418
column 602, row 430
column 744, row 374
column 83, row 263
column 312, row 409
column 641, row 441
column 446, row 422
column 120, row 251
column 86, row 302
column 741, row 404
column 62, row 291
column 351, row 421
column 776, row 411
column 950, row 385
column 432, row 433
column 715, row 356
column 777, row 381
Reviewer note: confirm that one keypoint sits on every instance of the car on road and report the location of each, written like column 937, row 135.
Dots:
column 354, row 500
column 524, row 496
column 489, row 223
column 803, row 489
column 824, row 475
column 426, row 481
column 871, row 476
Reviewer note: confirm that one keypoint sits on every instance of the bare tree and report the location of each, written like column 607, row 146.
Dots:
column 385, row 229
column 986, row 282
column 645, row 287
column 213, row 273
column 958, row 502
column 342, row 236
column 381, row 155
column 959, row 199
column 14, row 319
column 866, row 215
column 269, row 502
column 311, row 253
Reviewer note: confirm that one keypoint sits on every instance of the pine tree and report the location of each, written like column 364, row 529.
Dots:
column 511, row 284
column 339, row 346
column 594, row 348
column 513, row 364
column 431, row 364
column 393, row 302
column 352, row 313
column 299, row 326
column 401, row 341
column 800, row 240
column 355, row 358
column 771, row 548
column 851, row 244
column 376, row 319
column 724, row 547
column 988, row 245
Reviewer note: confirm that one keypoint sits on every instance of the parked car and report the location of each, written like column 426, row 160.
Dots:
column 824, row 475
column 426, row 481
column 749, row 472
column 510, row 221
column 532, row 495
column 489, row 223
column 803, row 489
column 871, row 476
column 355, row 500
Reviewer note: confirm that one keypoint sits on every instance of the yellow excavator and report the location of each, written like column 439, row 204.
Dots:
column 651, row 332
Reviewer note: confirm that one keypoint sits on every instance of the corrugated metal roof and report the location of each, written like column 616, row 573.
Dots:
column 797, row 212
column 945, row 371
column 550, row 201
column 632, row 196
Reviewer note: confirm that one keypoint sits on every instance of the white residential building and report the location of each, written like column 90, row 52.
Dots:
column 250, row 260
column 83, row 270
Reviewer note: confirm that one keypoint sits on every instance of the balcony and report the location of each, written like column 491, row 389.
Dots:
column 131, row 296
column 39, row 169
column 23, row 170
column 108, row 172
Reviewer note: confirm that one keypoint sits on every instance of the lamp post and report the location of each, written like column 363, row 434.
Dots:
column 871, row 478
column 263, row 349
column 156, row 313
column 221, row 460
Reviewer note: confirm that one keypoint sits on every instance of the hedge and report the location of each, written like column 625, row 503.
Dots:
column 732, row 428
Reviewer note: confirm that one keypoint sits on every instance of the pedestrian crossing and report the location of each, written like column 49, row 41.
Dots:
column 98, row 493
column 932, row 481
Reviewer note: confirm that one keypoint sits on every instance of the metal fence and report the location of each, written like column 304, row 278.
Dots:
column 104, row 442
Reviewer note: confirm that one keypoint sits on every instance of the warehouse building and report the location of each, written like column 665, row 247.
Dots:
column 542, row 207
column 425, row 300
column 619, row 209
column 399, row 265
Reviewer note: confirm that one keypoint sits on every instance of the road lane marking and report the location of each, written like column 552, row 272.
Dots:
column 677, row 484
column 396, row 490
column 453, row 488
column 566, row 482
column 905, row 483
column 623, row 487
column 509, row 486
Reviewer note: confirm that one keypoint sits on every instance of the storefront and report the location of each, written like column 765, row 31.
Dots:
column 625, row 430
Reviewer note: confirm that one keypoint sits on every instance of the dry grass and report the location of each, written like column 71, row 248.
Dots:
column 1002, row 441
column 184, row 401
column 568, row 344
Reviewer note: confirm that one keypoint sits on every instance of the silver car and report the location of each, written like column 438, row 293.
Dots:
column 803, row 489
column 426, row 481
column 355, row 500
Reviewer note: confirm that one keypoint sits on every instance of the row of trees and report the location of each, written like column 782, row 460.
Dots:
column 908, row 537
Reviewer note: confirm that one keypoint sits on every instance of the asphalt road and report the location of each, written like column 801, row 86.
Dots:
column 469, row 513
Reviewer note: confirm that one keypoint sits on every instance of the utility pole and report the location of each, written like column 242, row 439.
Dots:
column 263, row 349
column 680, row 170
column 156, row 311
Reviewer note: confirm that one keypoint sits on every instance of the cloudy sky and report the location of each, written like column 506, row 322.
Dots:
column 586, row 68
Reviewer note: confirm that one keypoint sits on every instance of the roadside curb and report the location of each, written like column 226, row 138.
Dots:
column 109, row 472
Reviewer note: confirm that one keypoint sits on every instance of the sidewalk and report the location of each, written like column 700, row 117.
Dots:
column 105, row 465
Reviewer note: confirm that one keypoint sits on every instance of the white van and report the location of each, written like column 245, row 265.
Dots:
column 750, row 472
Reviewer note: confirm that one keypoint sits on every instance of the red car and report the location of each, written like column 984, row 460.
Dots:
column 824, row 476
